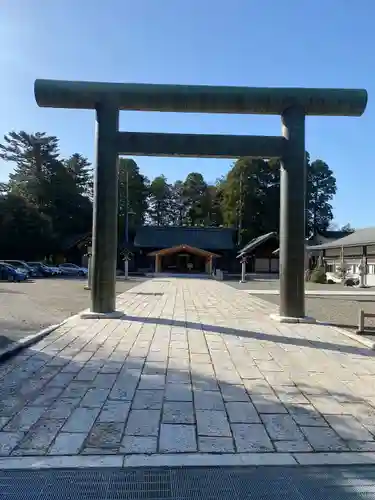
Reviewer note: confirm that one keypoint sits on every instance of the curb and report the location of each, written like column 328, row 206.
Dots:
column 14, row 349
column 354, row 336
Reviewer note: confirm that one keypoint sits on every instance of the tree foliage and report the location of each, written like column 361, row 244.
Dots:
column 48, row 199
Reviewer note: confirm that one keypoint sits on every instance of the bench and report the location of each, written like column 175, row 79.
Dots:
column 361, row 320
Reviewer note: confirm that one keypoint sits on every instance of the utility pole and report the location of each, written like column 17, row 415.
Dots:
column 240, row 214
column 126, row 253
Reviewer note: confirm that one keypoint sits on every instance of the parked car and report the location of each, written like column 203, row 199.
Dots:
column 56, row 271
column 21, row 264
column 40, row 269
column 10, row 273
column 73, row 270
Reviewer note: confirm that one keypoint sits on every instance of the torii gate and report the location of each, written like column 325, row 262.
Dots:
column 293, row 104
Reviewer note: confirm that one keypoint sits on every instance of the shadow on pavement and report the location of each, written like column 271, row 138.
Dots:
column 314, row 344
column 69, row 371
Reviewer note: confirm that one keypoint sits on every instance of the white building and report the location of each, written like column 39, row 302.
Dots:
column 351, row 249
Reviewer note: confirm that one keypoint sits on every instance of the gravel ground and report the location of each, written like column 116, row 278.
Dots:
column 273, row 284
column 26, row 308
column 341, row 311
column 338, row 311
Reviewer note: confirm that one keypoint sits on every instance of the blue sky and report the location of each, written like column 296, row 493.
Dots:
column 311, row 43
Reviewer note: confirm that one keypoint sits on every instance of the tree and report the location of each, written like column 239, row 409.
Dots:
column 196, row 199
column 53, row 186
column 214, row 196
column 347, row 228
column 320, row 190
column 133, row 194
column 160, row 202
column 251, row 197
column 25, row 233
column 34, row 156
column 80, row 169
column 178, row 206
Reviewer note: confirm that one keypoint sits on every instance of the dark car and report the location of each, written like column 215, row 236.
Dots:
column 40, row 269
column 10, row 273
column 21, row 264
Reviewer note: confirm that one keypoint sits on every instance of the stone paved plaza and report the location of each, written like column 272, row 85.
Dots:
column 195, row 373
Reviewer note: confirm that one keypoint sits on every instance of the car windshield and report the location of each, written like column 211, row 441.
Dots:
column 18, row 264
column 69, row 265
column 9, row 266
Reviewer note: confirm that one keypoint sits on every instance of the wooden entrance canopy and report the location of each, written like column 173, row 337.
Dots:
column 208, row 256
column 183, row 248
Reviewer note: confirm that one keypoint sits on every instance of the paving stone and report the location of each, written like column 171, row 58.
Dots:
column 199, row 358
column 179, row 377
column 323, row 439
column 111, row 367
column 180, row 412
column 249, row 372
column 256, row 387
column 268, row 404
column 104, row 380
column 10, row 405
column 204, row 384
column 348, row 427
column 75, row 390
column 139, row 444
column 95, row 398
column 212, row 423
column 3, row 421
column 292, row 446
column 25, row 419
column 215, row 444
column 327, row 405
column 306, row 415
column 234, row 393
column 361, row 445
column 67, row 443
column 38, row 440
column 148, row 400
column 143, row 423
column 178, row 392
column 282, row 427
column 114, row 411
column 47, row 397
column 81, row 420
column 8, row 441
column 62, row 408
column 242, row 413
column 152, row 382
column 87, row 375
column 251, row 438
column 208, row 400
column 61, row 380
column 175, row 438
column 123, row 390
column 105, row 435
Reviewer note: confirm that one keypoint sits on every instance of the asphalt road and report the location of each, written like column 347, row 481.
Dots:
column 26, row 308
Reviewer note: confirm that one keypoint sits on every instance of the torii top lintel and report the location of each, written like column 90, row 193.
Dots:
column 200, row 98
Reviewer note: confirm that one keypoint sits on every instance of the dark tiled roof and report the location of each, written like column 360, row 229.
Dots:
column 256, row 242
column 207, row 238
column 364, row 236
column 334, row 235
